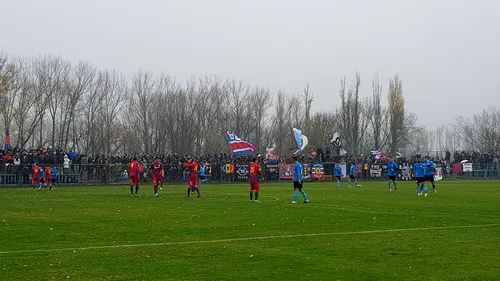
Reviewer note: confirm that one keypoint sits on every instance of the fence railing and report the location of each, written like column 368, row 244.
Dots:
column 220, row 172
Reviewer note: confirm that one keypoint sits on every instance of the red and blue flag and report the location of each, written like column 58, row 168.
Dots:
column 7, row 141
column 240, row 146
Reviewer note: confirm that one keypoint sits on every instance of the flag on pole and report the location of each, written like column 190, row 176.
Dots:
column 336, row 143
column 379, row 155
column 300, row 139
column 240, row 146
column 7, row 141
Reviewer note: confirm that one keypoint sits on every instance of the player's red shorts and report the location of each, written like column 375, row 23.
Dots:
column 193, row 182
column 255, row 186
column 134, row 180
column 48, row 180
column 157, row 181
column 36, row 181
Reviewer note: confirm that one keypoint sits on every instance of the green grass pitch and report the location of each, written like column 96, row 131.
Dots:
column 358, row 233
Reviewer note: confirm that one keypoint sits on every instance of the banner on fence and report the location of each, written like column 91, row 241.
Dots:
column 272, row 172
column 406, row 173
column 467, row 167
column 344, row 170
column 307, row 171
column 242, row 172
column 457, row 168
column 438, row 174
column 286, row 171
column 375, row 171
column 318, row 171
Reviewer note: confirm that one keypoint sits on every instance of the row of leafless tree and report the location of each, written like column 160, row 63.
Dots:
column 48, row 101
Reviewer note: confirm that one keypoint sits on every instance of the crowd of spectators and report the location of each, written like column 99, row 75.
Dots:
column 47, row 156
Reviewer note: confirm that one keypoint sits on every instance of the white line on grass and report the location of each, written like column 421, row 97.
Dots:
column 249, row 238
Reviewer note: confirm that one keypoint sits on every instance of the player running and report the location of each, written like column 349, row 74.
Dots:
column 47, row 177
column 392, row 168
column 35, row 177
column 352, row 175
column 298, row 178
column 133, row 174
column 55, row 171
column 338, row 173
column 255, row 174
column 157, row 174
column 193, row 177
column 419, row 176
column 430, row 167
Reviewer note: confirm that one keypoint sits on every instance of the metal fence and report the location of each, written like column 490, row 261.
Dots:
column 219, row 172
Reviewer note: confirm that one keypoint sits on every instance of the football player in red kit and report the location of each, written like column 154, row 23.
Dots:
column 47, row 177
column 157, row 174
column 133, row 173
column 255, row 175
column 193, row 177
column 35, row 177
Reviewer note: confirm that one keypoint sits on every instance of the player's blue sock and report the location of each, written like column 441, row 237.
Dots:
column 295, row 196
column 426, row 188
column 418, row 188
column 40, row 185
column 304, row 195
column 205, row 180
column 356, row 182
column 390, row 185
column 338, row 182
column 349, row 182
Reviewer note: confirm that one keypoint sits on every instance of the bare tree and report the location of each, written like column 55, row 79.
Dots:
column 140, row 104
column 281, row 124
column 377, row 115
column 481, row 132
column 322, row 125
column 78, row 84
column 10, row 87
column 115, row 90
column 353, row 125
column 401, row 124
column 237, row 102
column 308, row 100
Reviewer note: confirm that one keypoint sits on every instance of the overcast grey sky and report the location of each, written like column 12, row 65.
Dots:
column 447, row 52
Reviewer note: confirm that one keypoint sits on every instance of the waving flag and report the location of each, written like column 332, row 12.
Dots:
column 7, row 141
column 271, row 157
column 379, row 155
column 240, row 146
column 300, row 139
column 336, row 143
